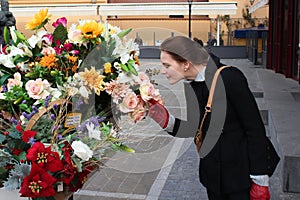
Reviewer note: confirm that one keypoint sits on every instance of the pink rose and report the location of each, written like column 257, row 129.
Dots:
column 37, row 89
column 148, row 91
column 143, row 77
column 129, row 103
column 16, row 81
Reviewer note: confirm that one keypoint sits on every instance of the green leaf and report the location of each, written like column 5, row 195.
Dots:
column 124, row 68
column 60, row 33
column 6, row 35
column 20, row 35
column 23, row 106
column 15, row 134
column 2, row 138
column 132, row 69
column 4, row 78
column 124, row 32
column 6, row 70
column 22, row 156
column 126, row 148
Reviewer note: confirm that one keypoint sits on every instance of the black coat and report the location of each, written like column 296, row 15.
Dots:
column 242, row 148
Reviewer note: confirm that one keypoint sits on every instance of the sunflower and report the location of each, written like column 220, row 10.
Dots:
column 39, row 20
column 91, row 29
column 93, row 79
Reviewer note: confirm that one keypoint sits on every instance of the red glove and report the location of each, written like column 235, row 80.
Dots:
column 258, row 192
column 159, row 113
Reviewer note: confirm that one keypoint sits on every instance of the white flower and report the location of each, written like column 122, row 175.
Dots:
column 92, row 132
column 14, row 51
column 75, row 35
column 82, row 150
column 56, row 93
column 13, row 34
column 16, row 81
column 35, row 39
column 84, row 92
column 7, row 61
column 128, row 78
column 26, row 50
column 2, row 96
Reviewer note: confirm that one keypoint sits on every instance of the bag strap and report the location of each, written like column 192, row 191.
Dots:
column 209, row 101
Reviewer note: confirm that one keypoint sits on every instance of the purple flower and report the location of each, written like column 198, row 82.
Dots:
column 60, row 21
column 31, row 141
column 24, row 102
column 48, row 98
column 4, row 88
column 79, row 103
column 14, row 121
column 26, row 115
column 34, row 109
column 59, row 137
column 52, row 116
column 55, row 106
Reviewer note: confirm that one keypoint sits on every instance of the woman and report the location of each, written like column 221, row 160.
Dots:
column 240, row 162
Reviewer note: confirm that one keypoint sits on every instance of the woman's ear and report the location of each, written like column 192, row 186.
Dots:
column 186, row 66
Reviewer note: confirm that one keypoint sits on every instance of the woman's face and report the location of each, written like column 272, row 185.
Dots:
column 172, row 69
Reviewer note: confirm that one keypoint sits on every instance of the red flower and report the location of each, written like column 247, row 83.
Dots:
column 38, row 183
column 44, row 157
column 70, row 170
column 26, row 135
column 17, row 151
column 81, row 179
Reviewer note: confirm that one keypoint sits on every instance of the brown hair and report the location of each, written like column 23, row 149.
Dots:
column 184, row 49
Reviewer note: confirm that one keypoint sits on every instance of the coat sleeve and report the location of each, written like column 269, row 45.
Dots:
column 244, row 104
column 186, row 127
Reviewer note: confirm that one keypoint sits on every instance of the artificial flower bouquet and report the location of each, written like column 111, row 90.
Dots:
column 61, row 97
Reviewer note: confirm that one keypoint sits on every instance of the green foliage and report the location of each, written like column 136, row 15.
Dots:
column 16, row 175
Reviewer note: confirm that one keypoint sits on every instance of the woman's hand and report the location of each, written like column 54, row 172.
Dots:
column 158, row 113
column 258, row 192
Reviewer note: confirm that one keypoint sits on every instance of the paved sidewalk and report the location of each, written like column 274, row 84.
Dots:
column 166, row 168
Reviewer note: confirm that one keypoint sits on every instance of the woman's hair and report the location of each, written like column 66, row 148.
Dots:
column 184, row 49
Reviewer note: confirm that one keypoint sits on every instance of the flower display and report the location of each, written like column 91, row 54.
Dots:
column 61, row 95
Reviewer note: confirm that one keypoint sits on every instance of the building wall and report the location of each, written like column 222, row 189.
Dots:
column 146, row 27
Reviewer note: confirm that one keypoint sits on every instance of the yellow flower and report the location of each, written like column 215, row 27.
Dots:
column 91, row 29
column 93, row 79
column 39, row 20
column 107, row 67
column 48, row 61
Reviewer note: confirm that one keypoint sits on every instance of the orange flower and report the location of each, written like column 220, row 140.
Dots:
column 48, row 61
column 73, row 59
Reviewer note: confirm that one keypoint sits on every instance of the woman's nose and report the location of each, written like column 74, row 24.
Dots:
column 163, row 70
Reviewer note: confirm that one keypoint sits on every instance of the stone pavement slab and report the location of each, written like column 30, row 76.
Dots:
column 166, row 168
